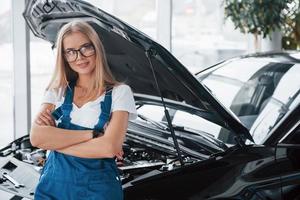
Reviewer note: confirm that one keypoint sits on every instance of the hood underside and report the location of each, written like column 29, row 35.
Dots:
column 129, row 54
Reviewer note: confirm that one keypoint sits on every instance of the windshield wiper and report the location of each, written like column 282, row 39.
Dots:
column 164, row 127
column 191, row 130
column 155, row 123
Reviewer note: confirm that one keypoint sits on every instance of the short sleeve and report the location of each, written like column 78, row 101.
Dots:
column 122, row 99
column 52, row 96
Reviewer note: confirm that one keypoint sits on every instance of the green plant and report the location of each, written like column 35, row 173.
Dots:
column 259, row 17
column 291, row 30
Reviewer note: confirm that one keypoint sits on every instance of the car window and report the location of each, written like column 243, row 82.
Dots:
column 282, row 101
column 258, row 91
column 152, row 111
column 180, row 118
column 227, row 81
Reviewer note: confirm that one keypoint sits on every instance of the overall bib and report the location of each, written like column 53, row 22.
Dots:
column 66, row 177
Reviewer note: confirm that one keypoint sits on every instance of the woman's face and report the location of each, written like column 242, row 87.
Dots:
column 79, row 53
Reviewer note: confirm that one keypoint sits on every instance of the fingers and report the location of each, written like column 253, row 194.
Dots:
column 119, row 158
column 45, row 118
column 121, row 152
column 49, row 117
column 39, row 121
column 120, row 155
column 105, row 126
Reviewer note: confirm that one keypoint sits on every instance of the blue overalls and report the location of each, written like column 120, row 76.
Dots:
column 66, row 177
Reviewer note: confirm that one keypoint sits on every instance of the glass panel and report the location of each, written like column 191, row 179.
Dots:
column 200, row 37
column 227, row 81
column 180, row 118
column 286, row 97
column 140, row 14
column 6, row 73
column 152, row 112
column 42, row 61
column 260, row 94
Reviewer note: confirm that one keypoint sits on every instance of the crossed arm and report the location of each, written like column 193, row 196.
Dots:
column 79, row 143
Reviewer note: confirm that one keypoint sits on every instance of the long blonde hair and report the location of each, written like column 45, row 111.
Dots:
column 63, row 74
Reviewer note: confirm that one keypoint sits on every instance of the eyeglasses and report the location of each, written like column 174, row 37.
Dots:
column 85, row 50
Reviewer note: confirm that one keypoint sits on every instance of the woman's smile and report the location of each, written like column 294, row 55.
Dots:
column 83, row 64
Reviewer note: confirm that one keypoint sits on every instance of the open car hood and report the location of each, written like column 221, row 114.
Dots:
column 127, row 50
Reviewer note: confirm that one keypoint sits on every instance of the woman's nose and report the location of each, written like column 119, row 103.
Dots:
column 79, row 56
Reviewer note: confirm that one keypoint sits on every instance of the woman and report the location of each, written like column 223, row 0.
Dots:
column 85, row 97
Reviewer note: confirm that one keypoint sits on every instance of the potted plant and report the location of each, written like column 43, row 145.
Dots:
column 258, row 17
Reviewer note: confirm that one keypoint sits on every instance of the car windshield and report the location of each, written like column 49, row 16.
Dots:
column 258, row 91
column 182, row 121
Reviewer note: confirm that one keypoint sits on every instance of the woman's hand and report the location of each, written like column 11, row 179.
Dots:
column 119, row 158
column 108, row 145
column 45, row 118
column 119, row 155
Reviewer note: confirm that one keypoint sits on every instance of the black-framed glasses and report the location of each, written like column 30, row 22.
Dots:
column 85, row 50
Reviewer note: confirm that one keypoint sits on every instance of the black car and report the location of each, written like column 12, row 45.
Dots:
column 185, row 144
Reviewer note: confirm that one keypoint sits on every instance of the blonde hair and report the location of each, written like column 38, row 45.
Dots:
column 63, row 74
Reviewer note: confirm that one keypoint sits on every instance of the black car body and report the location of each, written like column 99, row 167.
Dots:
column 164, row 159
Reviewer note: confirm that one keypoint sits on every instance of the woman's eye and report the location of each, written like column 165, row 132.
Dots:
column 70, row 52
column 83, row 49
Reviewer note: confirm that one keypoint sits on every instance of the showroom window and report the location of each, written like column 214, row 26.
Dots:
column 6, row 73
column 140, row 14
column 42, row 61
column 200, row 37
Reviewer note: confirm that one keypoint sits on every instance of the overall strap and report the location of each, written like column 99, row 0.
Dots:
column 105, row 110
column 57, row 113
column 65, row 109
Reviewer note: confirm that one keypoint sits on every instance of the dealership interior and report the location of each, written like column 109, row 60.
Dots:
column 195, row 31
column 198, row 33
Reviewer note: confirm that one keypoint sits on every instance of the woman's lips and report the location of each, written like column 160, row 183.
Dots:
column 82, row 65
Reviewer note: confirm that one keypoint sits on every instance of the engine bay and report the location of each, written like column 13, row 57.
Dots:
column 21, row 164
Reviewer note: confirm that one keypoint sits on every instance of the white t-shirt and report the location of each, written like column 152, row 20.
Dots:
column 88, row 114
